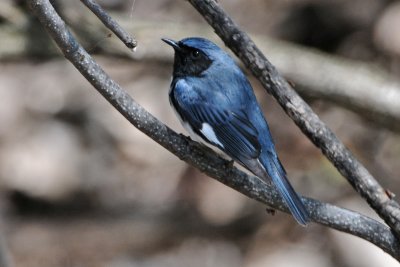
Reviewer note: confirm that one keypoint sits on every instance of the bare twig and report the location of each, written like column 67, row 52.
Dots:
column 198, row 156
column 301, row 113
column 110, row 23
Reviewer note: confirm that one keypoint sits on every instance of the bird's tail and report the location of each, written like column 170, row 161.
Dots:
column 278, row 175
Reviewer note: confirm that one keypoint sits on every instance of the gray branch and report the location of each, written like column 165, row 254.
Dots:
column 197, row 155
column 110, row 23
column 301, row 113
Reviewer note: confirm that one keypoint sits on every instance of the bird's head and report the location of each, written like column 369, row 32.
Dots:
column 194, row 55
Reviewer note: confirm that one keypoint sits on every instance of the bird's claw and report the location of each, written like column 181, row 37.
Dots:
column 270, row 211
column 390, row 194
column 229, row 164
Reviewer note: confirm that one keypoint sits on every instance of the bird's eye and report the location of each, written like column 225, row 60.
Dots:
column 195, row 54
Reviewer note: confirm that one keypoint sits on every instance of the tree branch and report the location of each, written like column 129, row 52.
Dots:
column 301, row 113
column 110, row 23
column 197, row 155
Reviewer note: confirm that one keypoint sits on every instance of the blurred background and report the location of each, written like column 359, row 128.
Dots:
column 80, row 186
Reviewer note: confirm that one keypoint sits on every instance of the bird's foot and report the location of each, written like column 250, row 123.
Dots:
column 270, row 211
column 229, row 164
column 390, row 194
column 187, row 138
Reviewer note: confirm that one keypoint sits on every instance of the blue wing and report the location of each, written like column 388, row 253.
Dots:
column 234, row 134
column 232, row 131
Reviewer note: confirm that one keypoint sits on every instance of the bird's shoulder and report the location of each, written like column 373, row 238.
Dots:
column 218, row 91
column 190, row 91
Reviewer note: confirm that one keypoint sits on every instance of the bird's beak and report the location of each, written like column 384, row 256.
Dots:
column 172, row 43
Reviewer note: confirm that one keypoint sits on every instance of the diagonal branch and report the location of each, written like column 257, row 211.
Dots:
column 301, row 113
column 110, row 23
column 199, row 156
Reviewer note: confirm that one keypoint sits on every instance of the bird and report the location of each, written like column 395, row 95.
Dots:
column 216, row 104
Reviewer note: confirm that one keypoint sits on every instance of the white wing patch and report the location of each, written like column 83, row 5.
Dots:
column 209, row 133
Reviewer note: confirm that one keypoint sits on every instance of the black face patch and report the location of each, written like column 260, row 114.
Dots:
column 190, row 61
